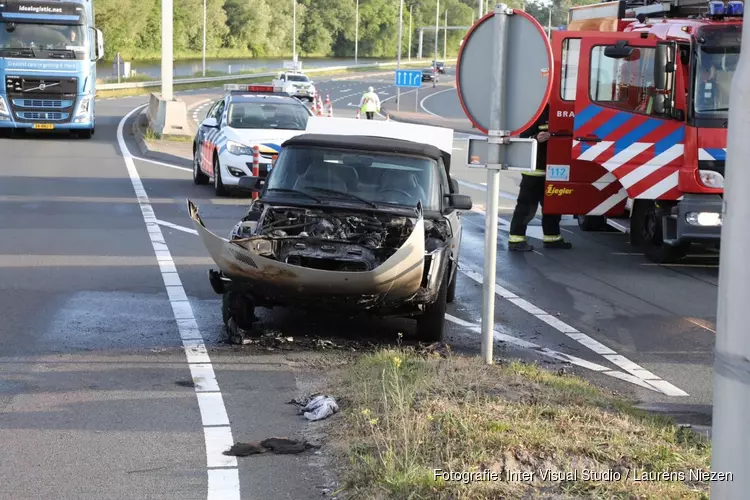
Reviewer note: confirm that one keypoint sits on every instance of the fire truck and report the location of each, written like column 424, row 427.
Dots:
column 638, row 120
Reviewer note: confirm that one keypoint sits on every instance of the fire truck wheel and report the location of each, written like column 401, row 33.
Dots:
column 592, row 222
column 652, row 239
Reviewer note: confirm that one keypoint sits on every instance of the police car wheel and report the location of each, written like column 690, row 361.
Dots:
column 198, row 176
column 218, row 184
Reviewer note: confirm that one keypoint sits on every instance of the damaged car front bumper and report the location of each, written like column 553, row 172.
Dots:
column 324, row 270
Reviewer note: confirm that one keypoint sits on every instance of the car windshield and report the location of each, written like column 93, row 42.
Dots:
column 345, row 175
column 715, row 64
column 297, row 78
column 43, row 41
column 261, row 115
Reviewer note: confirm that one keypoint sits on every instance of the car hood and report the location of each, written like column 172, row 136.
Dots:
column 398, row 277
column 269, row 141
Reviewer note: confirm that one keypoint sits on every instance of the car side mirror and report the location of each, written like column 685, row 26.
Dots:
column 250, row 184
column 454, row 186
column 460, row 202
column 210, row 123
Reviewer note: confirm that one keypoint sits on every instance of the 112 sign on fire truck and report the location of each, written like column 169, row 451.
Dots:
column 638, row 118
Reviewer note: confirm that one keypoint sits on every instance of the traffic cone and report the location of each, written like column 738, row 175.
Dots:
column 315, row 104
column 330, row 110
column 320, row 107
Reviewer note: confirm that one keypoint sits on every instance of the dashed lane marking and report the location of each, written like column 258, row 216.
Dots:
column 621, row 361
column 223, row 474
column 559, row 356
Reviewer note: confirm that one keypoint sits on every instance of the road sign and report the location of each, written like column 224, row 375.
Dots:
column 408, row 78
column 528, row 80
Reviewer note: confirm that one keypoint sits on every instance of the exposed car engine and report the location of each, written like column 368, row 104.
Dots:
column 346, row 241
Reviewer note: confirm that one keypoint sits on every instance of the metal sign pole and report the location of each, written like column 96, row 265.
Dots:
column 398, row 99
column 494, row 164
column 731, row 437
column 416, row 103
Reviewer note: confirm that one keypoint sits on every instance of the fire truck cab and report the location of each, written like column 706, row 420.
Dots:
column 638, row 118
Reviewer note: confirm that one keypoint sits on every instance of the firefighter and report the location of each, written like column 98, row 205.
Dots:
column 531, row 195
column 370, row 103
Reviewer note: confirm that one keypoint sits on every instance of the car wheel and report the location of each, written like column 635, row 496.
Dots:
column 237, row 306
column 431, row 324
column 218, row 184
column 199, row 177
column 451, row 296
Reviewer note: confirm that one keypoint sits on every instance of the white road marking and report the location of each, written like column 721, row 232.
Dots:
column 559, row 356
column 223, row 484
column 635, row 370
column 169, row 165
column 345, row 90
column 421, row 103
column 177, row 227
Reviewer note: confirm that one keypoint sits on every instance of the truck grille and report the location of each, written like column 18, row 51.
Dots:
column 38, row 116
column 39, row 103
column 39, row 99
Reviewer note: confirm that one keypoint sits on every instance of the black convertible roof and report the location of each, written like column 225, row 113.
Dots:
column 365, row 143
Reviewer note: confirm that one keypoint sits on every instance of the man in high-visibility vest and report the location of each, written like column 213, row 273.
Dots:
column 531, row 195
column 370, row 103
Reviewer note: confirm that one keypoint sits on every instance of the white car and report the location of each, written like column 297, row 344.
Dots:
column 296, row 84
column 261, row 116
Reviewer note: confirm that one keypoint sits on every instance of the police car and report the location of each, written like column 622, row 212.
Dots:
column 247, row 116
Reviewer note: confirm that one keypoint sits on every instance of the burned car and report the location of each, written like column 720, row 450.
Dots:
column 346, row 223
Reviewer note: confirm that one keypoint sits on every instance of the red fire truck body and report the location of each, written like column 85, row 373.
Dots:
column 638, row 117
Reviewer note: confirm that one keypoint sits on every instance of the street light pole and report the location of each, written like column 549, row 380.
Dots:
column 356, row 34
column 731, row 402
column 167, row 31
column 437, row 29
column 445, row 38
column 481, row 9
column 410, row 29
column 204, row 38
column 398, row 58
column 294, row 33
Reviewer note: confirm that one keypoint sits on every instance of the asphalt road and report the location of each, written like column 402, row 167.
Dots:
column 116, row 382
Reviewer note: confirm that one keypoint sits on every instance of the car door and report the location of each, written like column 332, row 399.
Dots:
column 210, row 137
column 200, row 142
column 622, row 148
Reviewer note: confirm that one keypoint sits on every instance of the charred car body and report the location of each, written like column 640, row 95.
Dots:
column 350, row 222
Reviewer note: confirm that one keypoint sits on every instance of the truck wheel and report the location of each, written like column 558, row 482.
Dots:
column 86, row 134
column 653, row 240
column 237, row 306
column 451, row 296
column 592, row 222
column 219, row 188
column 431, row 324
column 199, row 177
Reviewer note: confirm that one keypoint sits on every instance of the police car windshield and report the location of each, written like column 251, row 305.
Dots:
column 383, row 179
column 261, row 115
column 297, row 78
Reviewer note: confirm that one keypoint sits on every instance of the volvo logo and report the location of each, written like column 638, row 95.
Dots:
column 42, row 86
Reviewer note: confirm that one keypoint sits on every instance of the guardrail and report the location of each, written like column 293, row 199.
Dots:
column 238, row 76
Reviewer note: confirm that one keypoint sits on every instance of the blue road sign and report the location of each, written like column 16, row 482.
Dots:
column 408, row 78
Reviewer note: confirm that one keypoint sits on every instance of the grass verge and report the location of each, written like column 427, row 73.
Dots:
column 406, row 415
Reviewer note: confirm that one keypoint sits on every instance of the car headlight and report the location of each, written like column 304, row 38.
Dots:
column 711, row 179
column 238, row 149
column 83, row 106
column 3, row 107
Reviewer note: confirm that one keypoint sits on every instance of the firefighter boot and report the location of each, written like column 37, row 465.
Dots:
column 520, row 246
column 556, row 243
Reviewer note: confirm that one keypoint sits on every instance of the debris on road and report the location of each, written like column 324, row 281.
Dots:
column 276, row 445
column 320, row 408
